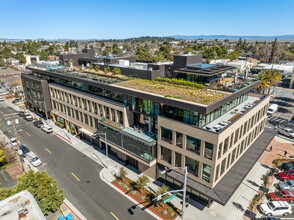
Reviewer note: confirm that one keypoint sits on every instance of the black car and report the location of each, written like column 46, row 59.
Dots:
column 15, row 100
column 24, row 150
column 288, row 165
column 38, row 123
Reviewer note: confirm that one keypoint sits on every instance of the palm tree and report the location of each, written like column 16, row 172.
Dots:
column 269, row 78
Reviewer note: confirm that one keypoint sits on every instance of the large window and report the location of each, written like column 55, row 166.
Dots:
column 223, row 166
column 166, row 134
column 226, row 145
column 193, row 144
column 192, row 165
column 216, row 172
column 208, row 150
column 166, row 155
column 178, row 161
column 179, row 139
column 206, row 172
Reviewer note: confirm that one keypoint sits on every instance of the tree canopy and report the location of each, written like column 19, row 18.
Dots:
column 41, row 186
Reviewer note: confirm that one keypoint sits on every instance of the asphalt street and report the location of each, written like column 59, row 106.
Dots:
column 75, row 173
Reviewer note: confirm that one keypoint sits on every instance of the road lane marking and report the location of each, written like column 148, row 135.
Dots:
column 48, row 150
column 75, row 176
column 114, row 216
column 28, row 134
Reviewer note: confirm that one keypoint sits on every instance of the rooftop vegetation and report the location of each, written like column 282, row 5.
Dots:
column 177, row 89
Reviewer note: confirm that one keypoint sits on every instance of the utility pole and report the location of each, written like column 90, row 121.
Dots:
column 16, row 137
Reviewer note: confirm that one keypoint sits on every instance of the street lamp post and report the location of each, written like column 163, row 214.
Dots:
column 106, row 146
column 181, row 190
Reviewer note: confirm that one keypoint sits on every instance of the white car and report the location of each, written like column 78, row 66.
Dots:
column 16, row 121
column 4, row 93
column 14, row 143
column 287, row 185
column 46, row 128
column 275, row 208
column 33, row 159
column 1, row 99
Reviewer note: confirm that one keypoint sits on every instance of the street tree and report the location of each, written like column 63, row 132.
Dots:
column 141, row 182
column 122, row 173
column 234, row 55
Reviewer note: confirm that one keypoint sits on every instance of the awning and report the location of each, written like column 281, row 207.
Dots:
column 86, row 132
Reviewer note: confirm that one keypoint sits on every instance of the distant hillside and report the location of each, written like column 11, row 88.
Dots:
column 230, row 37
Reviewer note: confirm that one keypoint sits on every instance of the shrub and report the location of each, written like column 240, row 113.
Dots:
column 169, row 209
column 265, row 179
column 171, row 214
column 106, row 69
column 254, row 201
column 277, row 162
column 179, row 82
column 164, row 212
column 142, row 182
column 97, row 68
column 116, row 71
column 122, row 173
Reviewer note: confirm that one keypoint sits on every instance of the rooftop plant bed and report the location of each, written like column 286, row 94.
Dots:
column 177, row 89
column 234, row 117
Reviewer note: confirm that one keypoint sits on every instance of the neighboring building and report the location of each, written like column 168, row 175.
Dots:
column 21, row 205
column 12, row 61
column 66, row 58
column 242, row 66
column 150, row 125
column 31, row 59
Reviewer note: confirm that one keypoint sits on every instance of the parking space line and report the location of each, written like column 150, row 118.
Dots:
column 75, row 176
column 114, row 216
column 48, row 150
column 28, row 134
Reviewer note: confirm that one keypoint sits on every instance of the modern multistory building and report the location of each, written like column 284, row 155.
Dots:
column 165, row 122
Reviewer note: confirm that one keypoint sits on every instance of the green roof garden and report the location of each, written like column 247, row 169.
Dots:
column 176, row 89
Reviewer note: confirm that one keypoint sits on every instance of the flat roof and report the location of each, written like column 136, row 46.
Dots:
column 204, row 69
column 227, row 186
column 21, row 205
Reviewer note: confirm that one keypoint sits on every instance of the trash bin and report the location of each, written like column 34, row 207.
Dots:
column 68, row 217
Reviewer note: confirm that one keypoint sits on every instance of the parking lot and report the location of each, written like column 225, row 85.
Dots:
column 285, row 100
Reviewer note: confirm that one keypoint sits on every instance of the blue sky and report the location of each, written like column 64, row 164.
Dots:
column 85, row 19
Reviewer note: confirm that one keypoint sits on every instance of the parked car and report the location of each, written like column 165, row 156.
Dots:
column 1, row 99
column 23, row 150
column 275, row 208
column 46, row 128
column 33, row 159
column 16, row 121
column 14, row 143
column 38, row 123
column 4, row 93
column 15, row 100
column 272, row 109
column 288, row 174
column 267, row 218
column 286, row 185
column 21, row 113
column 28, row 117
column 281, row 196
column 288, row 165
column 288, row 132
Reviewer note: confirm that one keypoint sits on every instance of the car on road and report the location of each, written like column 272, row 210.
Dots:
column 281, row 196
column 288, row 174
column 288, row 132
column 9, row 122
column 47, row 128
column 275, row 208
column 28, row 117
column 1, row 99
column 33, row 159
column 16, row 121
column 14, row 143
column 286, row 185
column 288, row 165
column 38, row 123
column 4, row 93
column 23, row 150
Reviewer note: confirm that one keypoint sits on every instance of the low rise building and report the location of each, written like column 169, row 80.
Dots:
column 20, row 206
column 164, row 122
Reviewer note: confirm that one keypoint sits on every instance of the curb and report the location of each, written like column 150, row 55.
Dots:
column 101, row 174
column 63, row 137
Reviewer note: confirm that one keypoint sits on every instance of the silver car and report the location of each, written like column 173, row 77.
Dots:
column 288, row 132
column 287, row 185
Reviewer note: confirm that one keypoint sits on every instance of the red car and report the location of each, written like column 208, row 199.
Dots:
column 281, row 196
column 288, row 174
